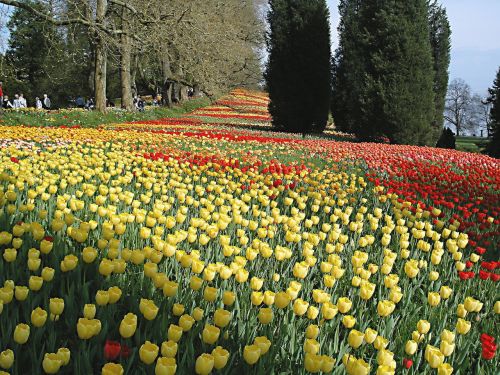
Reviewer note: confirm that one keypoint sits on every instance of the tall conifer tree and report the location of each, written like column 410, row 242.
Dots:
column 493, row 148
column 384, row 73
column 347, row 68
column 298, row 70
column 440, row 36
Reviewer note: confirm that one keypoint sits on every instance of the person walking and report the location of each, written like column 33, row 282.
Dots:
column 46, row 102
column 38, row 103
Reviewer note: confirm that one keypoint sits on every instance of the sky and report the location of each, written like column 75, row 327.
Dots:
column 475, row 54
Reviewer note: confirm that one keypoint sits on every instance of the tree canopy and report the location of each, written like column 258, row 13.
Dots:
column 115, row 48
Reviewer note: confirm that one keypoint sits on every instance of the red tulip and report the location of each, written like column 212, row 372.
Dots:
column 407, row 363
column 112, row 350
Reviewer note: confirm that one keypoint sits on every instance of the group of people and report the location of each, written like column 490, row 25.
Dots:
column 20, row 101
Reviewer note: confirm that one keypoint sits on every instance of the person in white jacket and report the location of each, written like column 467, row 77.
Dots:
column 22, row 101
column 17, row 103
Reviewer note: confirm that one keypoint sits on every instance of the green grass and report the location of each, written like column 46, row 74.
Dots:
column 471, row 144
column 91, row 119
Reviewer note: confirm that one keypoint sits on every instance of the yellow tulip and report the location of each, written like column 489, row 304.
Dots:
column 265, row 315
column 21, row 333
column 174, row 332
column 89, row 254
column 344, row 304
column 448, row 336
column 21, row 292
column 6, row 359
column 433, row 356
column 313, row 362
column 348, row 321
column 257, row 298
column 85, row 328
column 433, row 298
column 56, row 306
column 89, row 311
column 433, row 275
column 329, row 310
column 169, row 349
column 195, row 283
column 496, row 307
column 148, row 309
column 385, row 358
column 112, row 369
column 148, row 352
column 256, row 283
column 165, row 366
column 106, row 267
column 198, row 314
column 114, row 294
column 472, row 305
column 102, row 297
column 51, row 363
column 385, row 370
column 355, row 338
column 380, row 343
column 64, row 355
column 423, row 326
column 210, row 294
column 445, row 369
column 461, row 311
column 251, row 354
column 355, row 366
column 327, row 364
column 10, row 255
column 411, row 268
column 222, row 318
column 311, row 346
column 204, row 364
column 446, row 348
column 263, row 343
column 47, row 275
column 210, row 334
column 463, row 326
column 411, row 347
column 385, row 308
column 300, row 307
column 221, row 357
column 69, row 263
column 186, row 322
column 46, row 246
column 300, row 270
column 38, row 317
column 370, row 335
column 128, row 325
column 281, row 300
column 366, row 291
column 228, row 298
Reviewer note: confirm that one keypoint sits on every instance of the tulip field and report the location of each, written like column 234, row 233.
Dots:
column 210, row 244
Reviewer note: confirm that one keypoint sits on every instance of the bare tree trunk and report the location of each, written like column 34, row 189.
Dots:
column 168, row 86
column 133, row 74
column 196, row 91
column 183, row 93
column 100, row 60
column 125, row 64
